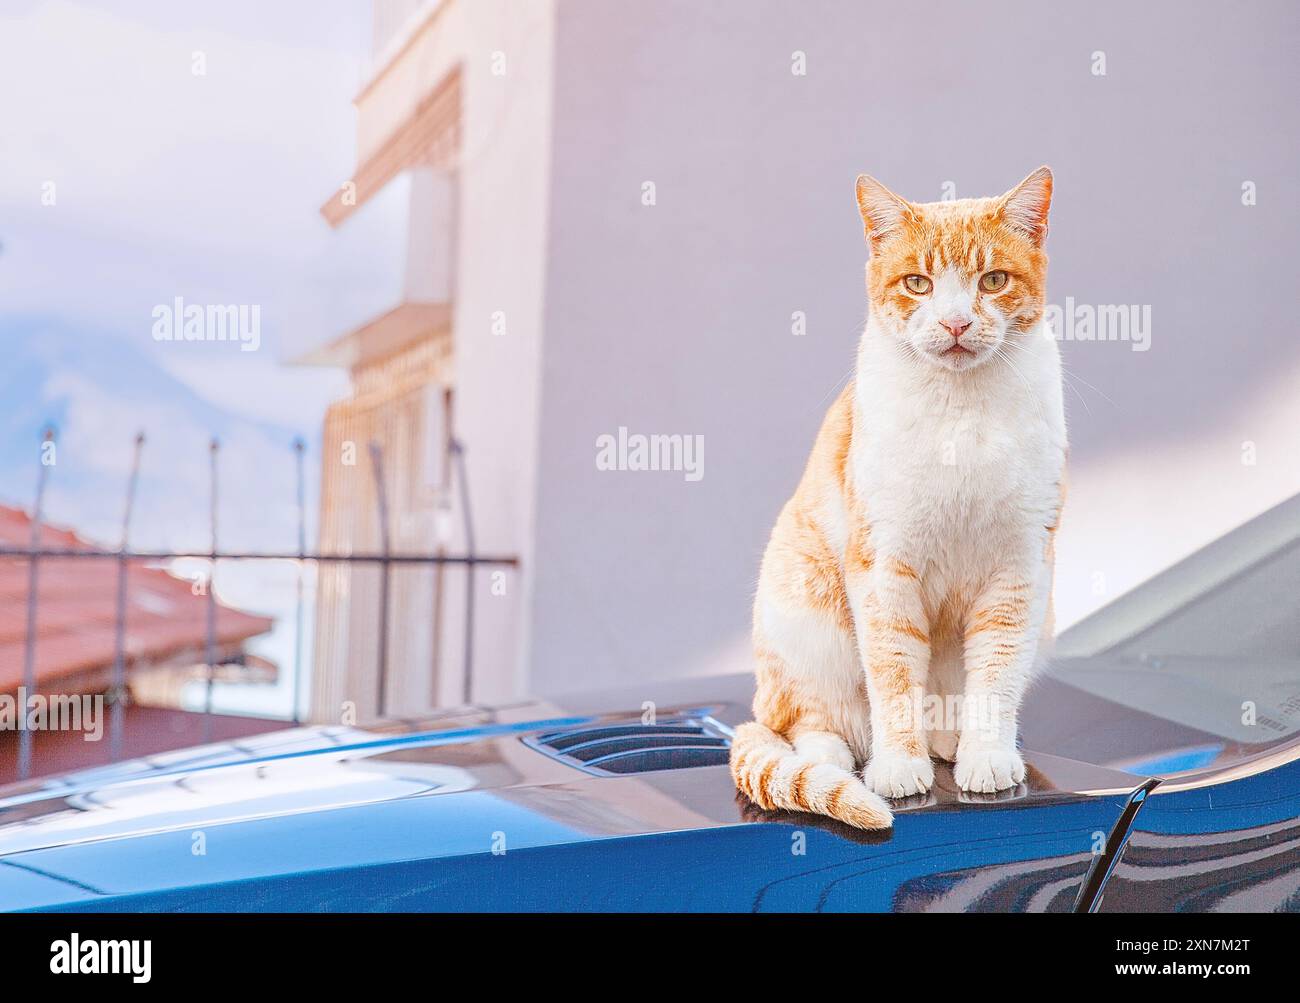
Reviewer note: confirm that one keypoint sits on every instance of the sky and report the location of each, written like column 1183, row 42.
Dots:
column 155, row 150
column 167, row 183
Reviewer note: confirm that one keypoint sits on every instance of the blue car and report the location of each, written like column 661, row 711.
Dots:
column 1162, row 757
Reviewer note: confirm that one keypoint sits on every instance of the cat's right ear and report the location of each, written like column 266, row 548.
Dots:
column 883, row 212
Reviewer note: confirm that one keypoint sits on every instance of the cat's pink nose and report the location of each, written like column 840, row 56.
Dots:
column 956, row 326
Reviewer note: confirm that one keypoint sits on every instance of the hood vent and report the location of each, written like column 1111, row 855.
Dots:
column 674, row 743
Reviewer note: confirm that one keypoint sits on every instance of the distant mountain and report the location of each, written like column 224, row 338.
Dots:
column 99, row 390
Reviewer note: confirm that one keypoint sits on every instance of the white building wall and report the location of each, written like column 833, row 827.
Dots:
column 503, row 52
column 505, row 178
column 466, row 84
column 677, row 317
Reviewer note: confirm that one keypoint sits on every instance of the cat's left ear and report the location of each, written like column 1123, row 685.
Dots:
column 1025, row 207
column 883, row 212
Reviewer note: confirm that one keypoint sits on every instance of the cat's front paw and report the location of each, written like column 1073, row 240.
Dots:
column 987, row 771
column 894, row 775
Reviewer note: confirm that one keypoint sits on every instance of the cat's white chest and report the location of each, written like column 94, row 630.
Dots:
column 946, row 474
column 954, row 486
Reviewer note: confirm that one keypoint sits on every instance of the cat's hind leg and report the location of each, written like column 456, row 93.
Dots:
column 799, row 753
column 943, row 744
column 771, row 773
column 944, row 685
column 825, row 747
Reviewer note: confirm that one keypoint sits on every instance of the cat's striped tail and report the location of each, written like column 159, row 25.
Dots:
column 769, row 772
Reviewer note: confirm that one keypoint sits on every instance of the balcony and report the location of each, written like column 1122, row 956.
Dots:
column 398, row 250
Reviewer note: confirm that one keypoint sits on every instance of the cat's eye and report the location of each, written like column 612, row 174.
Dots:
column 991, row 282
column 917, row 284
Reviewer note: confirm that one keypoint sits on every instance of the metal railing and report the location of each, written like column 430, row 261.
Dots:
column 124, row 555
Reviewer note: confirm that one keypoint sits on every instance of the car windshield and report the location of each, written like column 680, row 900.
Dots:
column 1213, row 643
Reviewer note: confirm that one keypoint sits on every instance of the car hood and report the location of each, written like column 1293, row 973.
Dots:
column 466, row 783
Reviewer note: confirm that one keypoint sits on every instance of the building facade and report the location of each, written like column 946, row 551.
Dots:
column 637, row 219
column 451, row 158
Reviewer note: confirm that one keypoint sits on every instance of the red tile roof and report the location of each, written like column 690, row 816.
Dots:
column 76, row 612
column 146, row 731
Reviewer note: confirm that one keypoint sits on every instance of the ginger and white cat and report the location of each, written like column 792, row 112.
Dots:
column 906, row 588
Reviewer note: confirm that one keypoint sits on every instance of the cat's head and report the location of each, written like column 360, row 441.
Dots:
column 957, row 280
